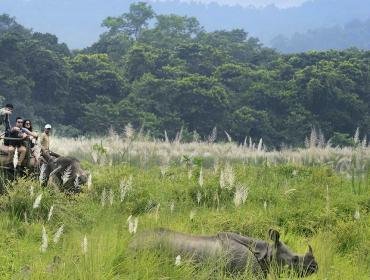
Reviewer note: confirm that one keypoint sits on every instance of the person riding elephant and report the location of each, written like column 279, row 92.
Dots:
column 7, row 150
column 32, row 157
column 44, row 141
column 14, row 141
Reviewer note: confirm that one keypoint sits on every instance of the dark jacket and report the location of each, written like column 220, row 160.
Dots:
column 13, row 134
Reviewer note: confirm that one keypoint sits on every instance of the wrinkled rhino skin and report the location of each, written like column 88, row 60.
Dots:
column 238, row 251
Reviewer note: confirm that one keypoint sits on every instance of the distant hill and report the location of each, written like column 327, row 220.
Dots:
column 354, row 34
column 77, row 22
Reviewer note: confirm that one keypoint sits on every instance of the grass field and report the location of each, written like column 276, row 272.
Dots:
column 317, row 196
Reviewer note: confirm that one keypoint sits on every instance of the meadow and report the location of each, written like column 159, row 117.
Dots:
column 318, row 195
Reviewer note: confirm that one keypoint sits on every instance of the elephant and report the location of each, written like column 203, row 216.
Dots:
column 65, row 171
column 240, row 253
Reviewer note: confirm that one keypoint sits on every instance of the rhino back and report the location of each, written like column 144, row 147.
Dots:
column 234, row 256
column 198, row 247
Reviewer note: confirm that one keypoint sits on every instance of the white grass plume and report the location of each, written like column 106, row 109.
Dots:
column 76, row 182
column 212, row 137
column 357, row 215
column 240, row 196
column 66, row 174
column 178, row 136
column 164, row 170
column 199, row 197
column 229, row 176
column 94, row 156
column 364, row 142
column 58, row 234
column 289, row 191
column 44, row 242
column 178, row 260
column 50, row 212
column 42, row 175
column 201, row 180
column 15, row 158
column 84, row 245
column 37, row 201
column 356, row 137
column 172, row 206
column 216, row 166
column 123, row 190
column 103, row 197
column 222, row 180
column 229, row 139
column 32, row 191
column 260, row 145
column 129, row 132
column 313, row 138
column 132, row 224
column 125, row 187
column 89, row 182
column 192, row 215
column 111, row 197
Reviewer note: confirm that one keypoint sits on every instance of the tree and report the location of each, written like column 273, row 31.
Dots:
column 171, row 30
column 131, row 23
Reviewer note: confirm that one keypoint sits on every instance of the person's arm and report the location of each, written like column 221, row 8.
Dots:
column 8, row 128
column 29, row 133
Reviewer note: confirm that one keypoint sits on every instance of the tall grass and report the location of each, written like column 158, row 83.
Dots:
column 317, row 196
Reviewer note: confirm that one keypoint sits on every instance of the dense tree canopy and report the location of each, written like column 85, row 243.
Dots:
column 164, row 72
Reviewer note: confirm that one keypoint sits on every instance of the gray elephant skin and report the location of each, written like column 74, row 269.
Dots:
column 56, row 167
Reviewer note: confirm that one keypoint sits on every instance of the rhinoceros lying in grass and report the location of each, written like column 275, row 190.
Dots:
column 238, row 252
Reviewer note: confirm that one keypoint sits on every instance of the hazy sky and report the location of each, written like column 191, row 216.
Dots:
column 257, row 3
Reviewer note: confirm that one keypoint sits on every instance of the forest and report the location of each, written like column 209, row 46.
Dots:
column 354, row 33
column 166, row 73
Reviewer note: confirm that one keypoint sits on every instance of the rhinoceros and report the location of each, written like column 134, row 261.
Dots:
column 238, row 252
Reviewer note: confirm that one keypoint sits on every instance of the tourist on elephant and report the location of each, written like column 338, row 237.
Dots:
column 4, row 119
column 44, row 141
column 31, row 135
column 30, row 141
column 5, row 112
column 17, row 136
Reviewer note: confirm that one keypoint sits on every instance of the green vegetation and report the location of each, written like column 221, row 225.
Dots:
column 308, row 204
column 172, row 74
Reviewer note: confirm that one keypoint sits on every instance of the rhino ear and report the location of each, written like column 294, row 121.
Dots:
column 274, row 235
column 310, row 251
